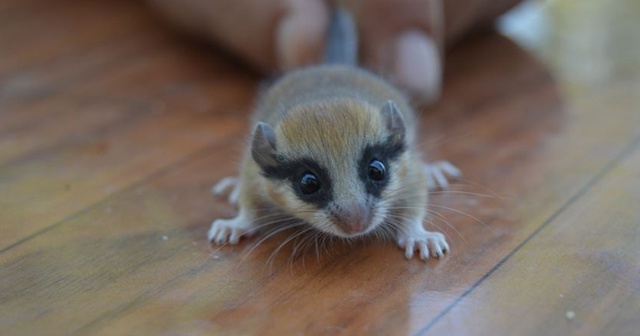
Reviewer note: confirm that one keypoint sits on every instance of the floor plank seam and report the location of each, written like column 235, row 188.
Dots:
column 138, row 112
column 138, row 115
column 114, row 196
column 592, row 182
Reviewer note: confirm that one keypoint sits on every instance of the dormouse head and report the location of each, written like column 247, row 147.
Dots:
column 334, row 164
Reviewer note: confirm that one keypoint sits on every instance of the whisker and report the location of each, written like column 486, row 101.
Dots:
column 476, row 184
column 281, row 245
column 465, row 214
column 404, row 219
column 269, row 235
column 437, row 192
column 442, row 219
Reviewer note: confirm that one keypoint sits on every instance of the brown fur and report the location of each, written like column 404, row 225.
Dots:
column 330, row 114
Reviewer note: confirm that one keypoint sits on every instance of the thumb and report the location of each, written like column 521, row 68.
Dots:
column 417, row 65
column 401, row 39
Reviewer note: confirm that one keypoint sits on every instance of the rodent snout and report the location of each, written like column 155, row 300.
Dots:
column 352, row 219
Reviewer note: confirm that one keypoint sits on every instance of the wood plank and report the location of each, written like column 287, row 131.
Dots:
column 80, row 118
column 107, row 77
column 73, row 120
column 60, row 76
column 70, row 178
column 29, row 127
column 577, row 276
column 51, row 35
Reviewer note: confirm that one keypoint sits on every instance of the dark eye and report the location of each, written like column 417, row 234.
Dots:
column 309, row 183
column 376, row 170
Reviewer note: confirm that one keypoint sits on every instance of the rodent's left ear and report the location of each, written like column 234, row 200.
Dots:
column 263, row 146
column 394, row 121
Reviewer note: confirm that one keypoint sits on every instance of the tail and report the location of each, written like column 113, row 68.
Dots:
column 342, row 40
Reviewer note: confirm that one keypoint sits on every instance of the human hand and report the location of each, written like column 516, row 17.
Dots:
column 400, row 39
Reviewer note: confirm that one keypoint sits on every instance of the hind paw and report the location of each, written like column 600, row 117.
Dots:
column 439, row 173
column 228, row 182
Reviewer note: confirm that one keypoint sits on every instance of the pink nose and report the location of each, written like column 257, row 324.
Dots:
column 354, row 226
column 352, row 219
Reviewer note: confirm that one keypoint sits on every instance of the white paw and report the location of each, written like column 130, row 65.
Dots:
column 438, row 172
column 424, row 242
column 229, row 230
column 224, row 184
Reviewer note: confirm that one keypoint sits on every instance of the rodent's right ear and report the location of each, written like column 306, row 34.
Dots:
column 263, row 146
column 394, row 121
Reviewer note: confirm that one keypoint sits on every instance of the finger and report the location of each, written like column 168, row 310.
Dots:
column 301, row 33
column 417, row 65
column 402, row 40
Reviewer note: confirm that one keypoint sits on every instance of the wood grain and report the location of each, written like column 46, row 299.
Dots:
column 578, row 273
column 111, row 138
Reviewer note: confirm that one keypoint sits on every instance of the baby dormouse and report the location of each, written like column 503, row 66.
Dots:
column 334, row 146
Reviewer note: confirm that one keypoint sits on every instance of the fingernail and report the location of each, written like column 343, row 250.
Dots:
column 300, row 35
column 417, row 65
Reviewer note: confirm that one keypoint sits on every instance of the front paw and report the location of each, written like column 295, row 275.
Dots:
column 424, row 242
column 229, row 230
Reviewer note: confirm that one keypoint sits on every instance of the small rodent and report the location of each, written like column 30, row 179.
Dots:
column 334, row 146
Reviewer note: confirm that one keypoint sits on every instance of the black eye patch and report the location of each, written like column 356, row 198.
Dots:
column 374, row 165
column 309, row 180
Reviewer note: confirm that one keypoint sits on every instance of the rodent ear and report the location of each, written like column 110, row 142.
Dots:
column 394, row 121
column 263, row 145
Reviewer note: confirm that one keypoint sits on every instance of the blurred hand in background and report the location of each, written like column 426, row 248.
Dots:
column 404, row 40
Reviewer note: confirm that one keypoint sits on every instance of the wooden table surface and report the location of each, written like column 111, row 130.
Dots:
column 113, row 128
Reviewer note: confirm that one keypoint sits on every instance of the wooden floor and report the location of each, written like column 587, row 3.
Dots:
column 113, row 129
